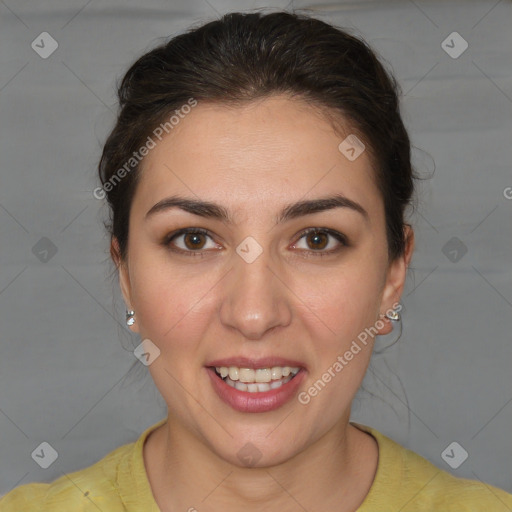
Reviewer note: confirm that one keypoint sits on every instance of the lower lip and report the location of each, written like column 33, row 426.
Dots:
column 264, row 401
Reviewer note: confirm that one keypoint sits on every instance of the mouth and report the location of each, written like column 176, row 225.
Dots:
column 256, row 380
column 255, row 386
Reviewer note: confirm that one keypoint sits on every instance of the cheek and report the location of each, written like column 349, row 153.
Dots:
column 344, row 305
column 171, row 302
column 340, row 303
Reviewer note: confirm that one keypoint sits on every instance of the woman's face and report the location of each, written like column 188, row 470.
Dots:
column 255, row 291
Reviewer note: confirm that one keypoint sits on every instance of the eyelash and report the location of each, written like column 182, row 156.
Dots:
column 200, row 231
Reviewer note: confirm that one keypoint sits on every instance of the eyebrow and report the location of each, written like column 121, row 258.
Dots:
column 212, row 210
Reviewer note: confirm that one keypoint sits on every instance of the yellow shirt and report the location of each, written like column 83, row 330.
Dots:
column 404, row 482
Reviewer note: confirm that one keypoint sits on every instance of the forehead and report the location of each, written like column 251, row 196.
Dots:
column 266, row 152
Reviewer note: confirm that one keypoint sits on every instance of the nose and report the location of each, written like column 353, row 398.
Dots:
column 255, row 298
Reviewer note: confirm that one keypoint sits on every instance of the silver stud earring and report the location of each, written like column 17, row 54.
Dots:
column 130, row 317
column 393, row 315
column 383, row 342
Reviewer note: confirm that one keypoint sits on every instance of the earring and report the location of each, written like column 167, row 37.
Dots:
column 130, row 317
column 383, row 342
column 393, row 315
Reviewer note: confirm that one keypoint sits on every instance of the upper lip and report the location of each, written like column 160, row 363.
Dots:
column 255, row 362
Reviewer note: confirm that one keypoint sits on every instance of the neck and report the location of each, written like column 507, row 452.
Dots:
column 184, row 473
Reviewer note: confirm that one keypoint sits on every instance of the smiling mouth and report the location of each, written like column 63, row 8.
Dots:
column 256, row 380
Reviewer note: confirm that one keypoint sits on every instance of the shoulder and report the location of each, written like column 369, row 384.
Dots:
column 117, row 478
column 75, row 491
column 407, row 481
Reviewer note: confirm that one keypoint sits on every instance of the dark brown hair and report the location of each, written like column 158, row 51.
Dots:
column 246, row 56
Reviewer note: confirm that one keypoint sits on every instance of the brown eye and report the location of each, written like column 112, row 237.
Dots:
column 194, row 240
column 190, row 241
column 317, row 240
column 321, row 241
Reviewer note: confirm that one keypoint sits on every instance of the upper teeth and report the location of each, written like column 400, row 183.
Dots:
column 256, row 375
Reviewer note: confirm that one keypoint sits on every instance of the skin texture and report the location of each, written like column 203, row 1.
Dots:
column 254, row 160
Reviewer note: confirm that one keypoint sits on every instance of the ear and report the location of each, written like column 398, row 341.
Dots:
column 124, row 277
column 395, row 280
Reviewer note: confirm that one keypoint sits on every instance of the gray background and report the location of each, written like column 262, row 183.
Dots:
column 65, row 352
